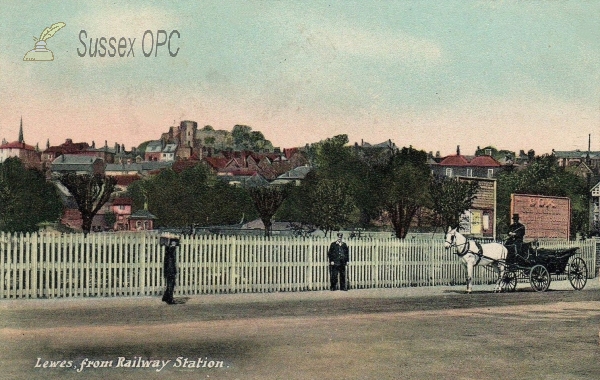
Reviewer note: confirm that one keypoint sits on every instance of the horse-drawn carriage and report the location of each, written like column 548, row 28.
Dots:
column 537, row 264
column 529, row 262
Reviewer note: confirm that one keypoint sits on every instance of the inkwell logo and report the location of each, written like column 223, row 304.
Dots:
column 40, row 52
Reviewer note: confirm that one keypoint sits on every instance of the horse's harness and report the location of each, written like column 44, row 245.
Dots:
column 466, row 249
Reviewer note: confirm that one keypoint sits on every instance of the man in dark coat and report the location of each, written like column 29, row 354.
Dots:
column 170, row 271
column 338, row 256
column 516, row 233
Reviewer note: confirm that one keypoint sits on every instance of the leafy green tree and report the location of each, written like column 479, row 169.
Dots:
column 331, row 206
column 403, row 187
column 267, row 200
column 450, row 198
column 246, row 139
column 91, row 192
column 193, row 197
column 333, row 159
column 26, row 198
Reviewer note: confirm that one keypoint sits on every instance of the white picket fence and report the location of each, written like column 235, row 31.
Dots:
column 130, row 264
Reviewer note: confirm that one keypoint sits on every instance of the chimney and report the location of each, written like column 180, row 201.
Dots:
column 458, row 150
column 587, row 158
column 21, row 139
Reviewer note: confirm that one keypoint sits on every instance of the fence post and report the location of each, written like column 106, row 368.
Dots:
column 232, row 260
column 3, row 267
column 375, row 263
column 309, row 263
column 142, row 266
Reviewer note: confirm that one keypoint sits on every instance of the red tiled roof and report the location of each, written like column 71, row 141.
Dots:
column 216, row 162
column 456, row 160
column 181, row 165
column 479, row 161
column 289, row 152
column 484, row 161
column 17, row 145
column 126, row 179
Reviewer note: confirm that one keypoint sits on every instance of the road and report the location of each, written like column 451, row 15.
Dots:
column 409, row 333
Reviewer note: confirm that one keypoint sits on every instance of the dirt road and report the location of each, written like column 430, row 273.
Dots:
column 415, row 333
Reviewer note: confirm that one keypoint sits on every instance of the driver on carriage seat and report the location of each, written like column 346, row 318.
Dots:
column 516, row 233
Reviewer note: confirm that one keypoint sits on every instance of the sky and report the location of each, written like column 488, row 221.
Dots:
column 515, row 75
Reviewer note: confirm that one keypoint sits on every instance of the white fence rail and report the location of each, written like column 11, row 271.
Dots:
column 130, row 264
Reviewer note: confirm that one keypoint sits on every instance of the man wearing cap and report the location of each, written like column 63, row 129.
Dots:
column 338, row 256
column 516, row 233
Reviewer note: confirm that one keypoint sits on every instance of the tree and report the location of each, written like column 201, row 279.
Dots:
column 331, row 206
column 334, row 160
column 91, row 192
column 450, row 198
column 246, row 139
column 26, row 198
column 403, row 187
column 192, row 197
column 267, row 200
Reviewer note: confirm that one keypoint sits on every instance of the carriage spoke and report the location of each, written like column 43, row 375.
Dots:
column 539, row 278
column 577, row 273
column 509, row 281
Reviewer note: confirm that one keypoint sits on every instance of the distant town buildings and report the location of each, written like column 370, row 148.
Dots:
column 185, row 145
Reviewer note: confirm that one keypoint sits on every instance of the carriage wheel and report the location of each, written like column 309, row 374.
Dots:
column 509, row 281
column 577, row 273
column 539, row 278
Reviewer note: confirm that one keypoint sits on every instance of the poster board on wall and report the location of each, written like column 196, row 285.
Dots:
column 543, row 216
column 480, row 219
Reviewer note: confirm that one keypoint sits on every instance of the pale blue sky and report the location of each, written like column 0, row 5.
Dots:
column 516, row 75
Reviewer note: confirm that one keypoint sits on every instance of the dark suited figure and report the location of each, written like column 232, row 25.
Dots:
column 338, row 256
column 170, row 271
column 516, row 233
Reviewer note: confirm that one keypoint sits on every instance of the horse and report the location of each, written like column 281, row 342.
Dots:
column 473, row 254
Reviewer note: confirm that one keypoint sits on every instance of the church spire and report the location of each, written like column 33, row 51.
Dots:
column 21, row 140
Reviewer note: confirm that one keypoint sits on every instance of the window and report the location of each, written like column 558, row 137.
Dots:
column 469, row 172
column 490, row 173
column 448, row 172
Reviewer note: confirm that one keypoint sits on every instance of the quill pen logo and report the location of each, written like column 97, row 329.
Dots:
column 40, row 52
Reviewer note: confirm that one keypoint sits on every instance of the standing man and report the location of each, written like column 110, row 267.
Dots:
column 516, row 233
column 338, row 256
column 170, row 271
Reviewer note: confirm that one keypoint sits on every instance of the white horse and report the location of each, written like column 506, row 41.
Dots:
column 473, row 254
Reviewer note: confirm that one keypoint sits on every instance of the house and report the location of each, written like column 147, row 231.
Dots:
column 121, row 208
column 462, row 166
column 242, row 178
column 70, row 163
column 71, row 217
column 153, row 151
column 141, row 220
column 105, row 153
column 168, row 152
column 295, row 176
column 28, row 154
column 595, row 209
column 68, row 147
column 575, row 157
column 246, row 164
column 123, row 182
column 123, row 169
